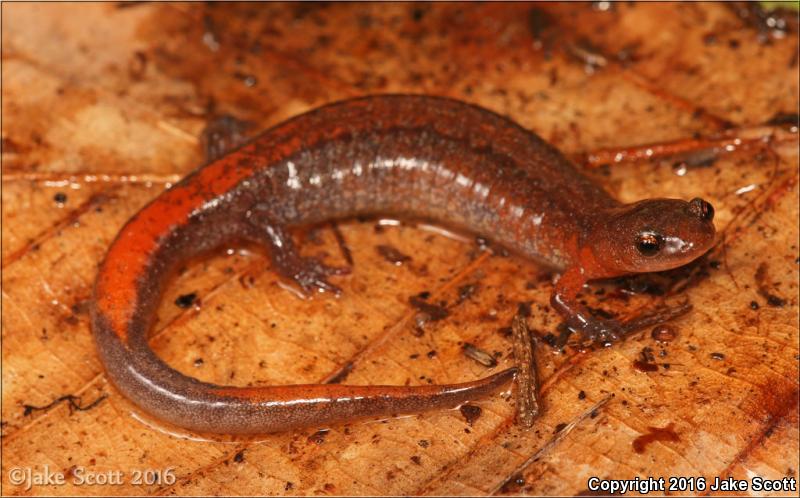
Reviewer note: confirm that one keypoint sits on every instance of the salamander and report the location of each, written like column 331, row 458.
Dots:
column 402, row 155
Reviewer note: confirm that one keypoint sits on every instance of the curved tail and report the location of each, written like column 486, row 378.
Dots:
column 169, row 395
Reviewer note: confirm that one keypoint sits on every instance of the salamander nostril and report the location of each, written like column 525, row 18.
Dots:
column 701, row 209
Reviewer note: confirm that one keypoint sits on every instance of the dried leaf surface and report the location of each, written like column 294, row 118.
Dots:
column 103, row 108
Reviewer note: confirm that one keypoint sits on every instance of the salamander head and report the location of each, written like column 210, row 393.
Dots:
column 654, row 235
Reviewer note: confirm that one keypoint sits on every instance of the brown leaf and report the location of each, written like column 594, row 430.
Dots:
column 103, row 108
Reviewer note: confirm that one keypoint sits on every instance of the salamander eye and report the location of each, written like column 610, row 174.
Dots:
column 648, row 243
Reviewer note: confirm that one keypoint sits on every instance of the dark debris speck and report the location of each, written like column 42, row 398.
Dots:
column 470, row 412
column 186, row 300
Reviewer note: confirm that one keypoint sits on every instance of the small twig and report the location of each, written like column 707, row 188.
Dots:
column 527, row 401
column 60, row 179
column 724, row 142
column 659, row 315
column 343, row 247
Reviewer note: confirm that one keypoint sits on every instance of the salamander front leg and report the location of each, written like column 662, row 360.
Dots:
column 309, row 273
column 578, row 318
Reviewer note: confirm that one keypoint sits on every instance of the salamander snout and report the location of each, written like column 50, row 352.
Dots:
column 654, row 235
column 702, row 209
